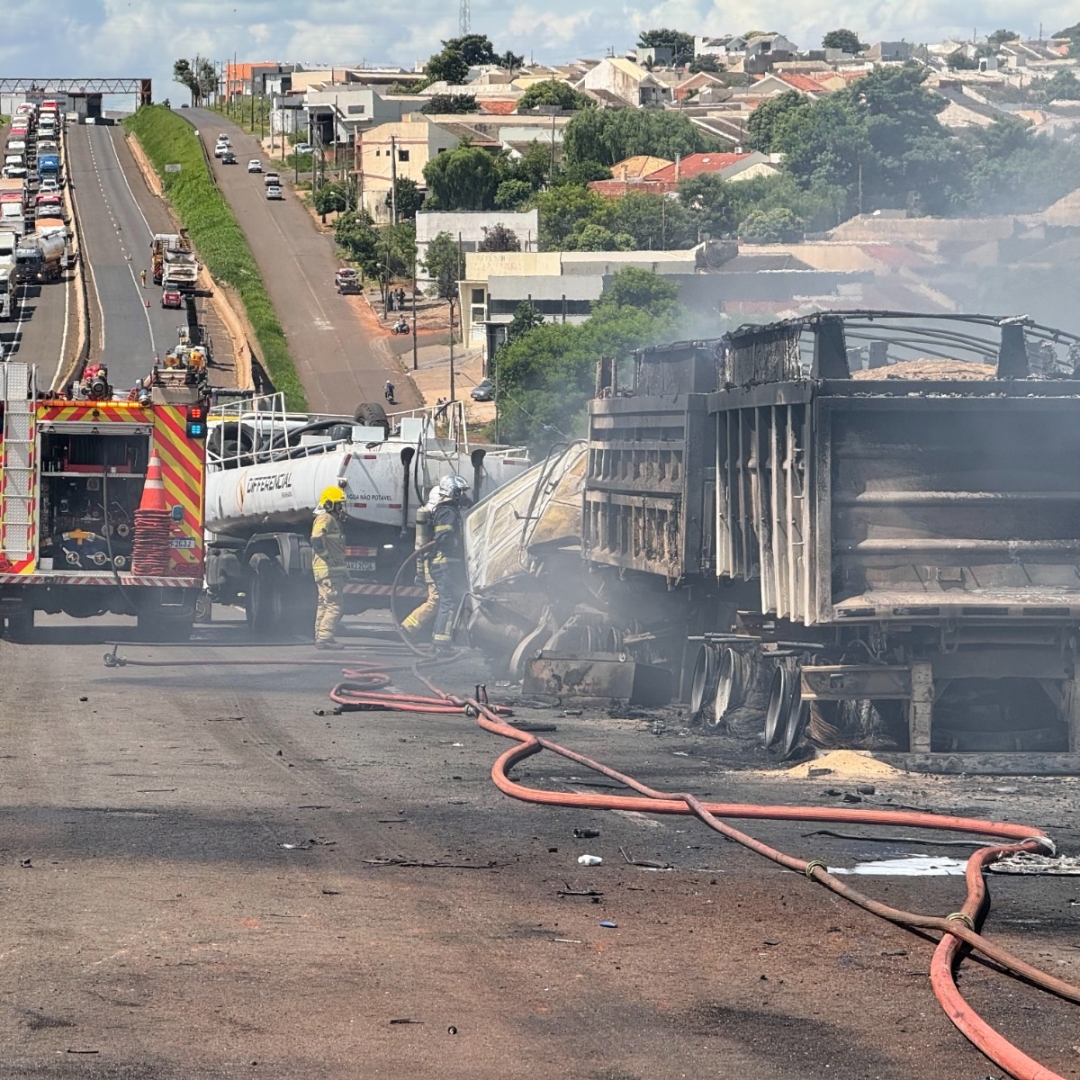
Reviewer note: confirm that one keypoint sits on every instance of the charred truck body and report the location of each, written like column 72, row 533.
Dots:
column 902, row 540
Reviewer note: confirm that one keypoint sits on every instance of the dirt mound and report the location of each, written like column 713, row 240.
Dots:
column 929, row 369
column 845, row 763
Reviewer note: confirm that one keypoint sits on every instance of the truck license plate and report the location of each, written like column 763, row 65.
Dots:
column 186, row 542
column 363, row 566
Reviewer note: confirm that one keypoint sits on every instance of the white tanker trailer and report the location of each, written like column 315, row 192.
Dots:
column 266, row 469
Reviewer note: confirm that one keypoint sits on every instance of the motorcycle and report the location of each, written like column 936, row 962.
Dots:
column 400, row 327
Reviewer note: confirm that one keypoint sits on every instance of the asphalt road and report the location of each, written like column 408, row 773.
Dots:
column 339, row 362
column 200, row 876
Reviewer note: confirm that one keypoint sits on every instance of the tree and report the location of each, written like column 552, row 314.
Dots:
column 399, row 249
column 999, row 37
column 447, row 66
column 778, row 226
column 1064, row 86
column 681, row 45
column 608, row 136
column 960, row 61
column 844, row 40
column 445, row 265
column 581, row 173
column 511, row 194
column 510, row 61
column 450, row 103
column 475, row 49
column 533, row 167
column 183, row 74
column 332, row 198
column 769, row 124
column 207, row 78
column 595, row 237
column 408, row 198
column 499, row 238
column 710, row 199
column 463, row 179
column 359, row 241
column 641, row 289
column 703, row 63
column 554, row 92
column 656, row 222
column 526, row 318
column 561, row 208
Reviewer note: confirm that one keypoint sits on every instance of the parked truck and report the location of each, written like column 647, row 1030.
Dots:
column 73, row 485
column 8, row 281
column 48, row 166
column 267, row 469
column 180, row 271
column 161, row 243
column 42, row 257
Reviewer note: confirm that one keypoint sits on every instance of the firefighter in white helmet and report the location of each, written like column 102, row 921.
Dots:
column 328, row 565
column 448, row 558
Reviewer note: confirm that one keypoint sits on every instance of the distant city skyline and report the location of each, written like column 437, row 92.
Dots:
column 144, row 37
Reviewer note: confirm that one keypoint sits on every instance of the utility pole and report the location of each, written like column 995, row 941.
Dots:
column 452, row 394
column 393, row 179
column 415, row 361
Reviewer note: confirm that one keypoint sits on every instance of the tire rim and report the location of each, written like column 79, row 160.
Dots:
column 776, row 714
column 797, row 715
column 728, row 686
column 703, row 684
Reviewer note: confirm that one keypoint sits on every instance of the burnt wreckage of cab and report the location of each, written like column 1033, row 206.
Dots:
column 873, row 515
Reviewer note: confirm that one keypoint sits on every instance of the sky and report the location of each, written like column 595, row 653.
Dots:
column 142, row 38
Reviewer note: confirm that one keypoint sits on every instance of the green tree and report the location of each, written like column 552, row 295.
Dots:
column 547, row 374
column 332, row 198
column 463, row 179
column 445, row 104
column 656, row 222
column 448, row 66
column 709, row 198
column 960, row 61
column 475, row 49
column 499, row 238
column 1064, row 86
column 581, row 173
column 533, row 167
column 445, row 265
column 526, row 318
column 770, row 123
column 409, row 198
column 593, row 237
column 681, row 45
column 399, row 249
column 511, row 194
column 554, row 92
column 778, row 226
column 510, row 61
column 607, row 136
column 845, row 40
column 207, row 79
column 358, row 240
column 562, row 208
column 1072, row 35
column 703, row 63
column 185, row 76
column 999, row 37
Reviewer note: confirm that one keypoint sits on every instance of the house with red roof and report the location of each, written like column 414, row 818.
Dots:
column 726, row 166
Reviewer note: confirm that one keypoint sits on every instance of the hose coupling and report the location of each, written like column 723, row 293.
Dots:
column 812, row 864
column 964, row 917
column 1044, row 842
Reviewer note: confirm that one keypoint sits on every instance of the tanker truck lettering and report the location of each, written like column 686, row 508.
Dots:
column 266, row 470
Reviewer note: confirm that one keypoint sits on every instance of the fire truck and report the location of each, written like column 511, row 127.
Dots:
column 101, row 501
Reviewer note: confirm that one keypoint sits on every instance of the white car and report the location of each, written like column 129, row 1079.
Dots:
column 220, row 149
column 274, row 192
column 254, row 165
column 49, row 183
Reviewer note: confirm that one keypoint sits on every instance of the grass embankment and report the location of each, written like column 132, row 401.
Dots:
column 168, row 139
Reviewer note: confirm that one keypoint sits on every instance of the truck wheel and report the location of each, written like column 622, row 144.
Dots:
column 264, row 606
column 372, row 414
column 20, row 626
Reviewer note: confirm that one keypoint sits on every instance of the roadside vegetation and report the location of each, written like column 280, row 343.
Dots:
column 168, row 139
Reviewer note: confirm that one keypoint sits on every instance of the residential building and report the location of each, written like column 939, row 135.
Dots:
column 627, row 81
column 743, row 166
column 716, row 47
column 415, row 141
column 890, row 52
column 468, row 228
column 339, row 110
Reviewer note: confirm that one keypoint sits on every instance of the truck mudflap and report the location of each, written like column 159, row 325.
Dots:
column 353, row 588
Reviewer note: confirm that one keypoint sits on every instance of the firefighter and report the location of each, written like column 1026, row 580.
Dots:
column 448, row 557
column 328, row 565
column 417, row 624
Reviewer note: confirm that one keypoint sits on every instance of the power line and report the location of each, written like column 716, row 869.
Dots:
column 464, row 19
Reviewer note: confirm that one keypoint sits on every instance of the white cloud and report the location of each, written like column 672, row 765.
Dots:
column 143, row 37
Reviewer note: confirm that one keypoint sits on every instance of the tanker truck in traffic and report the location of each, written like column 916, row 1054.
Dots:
column 266, row 470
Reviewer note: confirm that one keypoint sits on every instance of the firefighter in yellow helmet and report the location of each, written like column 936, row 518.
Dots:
column 328, row 565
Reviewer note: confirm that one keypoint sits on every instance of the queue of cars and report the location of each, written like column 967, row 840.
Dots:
column 223, row 151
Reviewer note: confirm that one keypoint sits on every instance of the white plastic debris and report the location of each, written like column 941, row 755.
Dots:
column 590, row 860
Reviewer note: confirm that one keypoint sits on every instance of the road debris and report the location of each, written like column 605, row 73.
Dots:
column 590, row 860
column 414, row 863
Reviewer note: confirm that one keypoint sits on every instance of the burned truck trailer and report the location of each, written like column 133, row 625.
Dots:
column 901, row 538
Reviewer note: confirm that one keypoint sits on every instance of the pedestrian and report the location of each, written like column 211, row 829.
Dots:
column 142, row 274
column 389, row 301
column 441, row 405
column 388, row 392
column 328, row 566
column 400, row 299
column 448, row 560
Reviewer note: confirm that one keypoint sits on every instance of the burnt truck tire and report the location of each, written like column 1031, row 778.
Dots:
column 372, row 414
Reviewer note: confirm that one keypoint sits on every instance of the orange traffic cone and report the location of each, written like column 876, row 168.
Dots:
column 153, row 494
